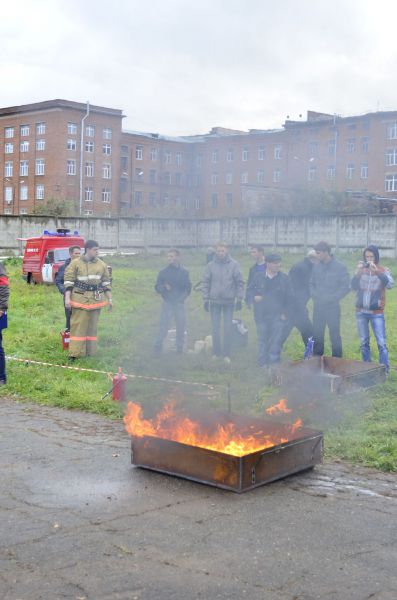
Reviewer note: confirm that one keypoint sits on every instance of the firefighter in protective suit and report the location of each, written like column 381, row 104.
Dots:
column 87, row 290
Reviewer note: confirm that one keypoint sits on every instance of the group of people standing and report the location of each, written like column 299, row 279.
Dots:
column 279, row 300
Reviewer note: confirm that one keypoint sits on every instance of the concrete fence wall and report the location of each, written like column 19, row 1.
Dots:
column 292, row 234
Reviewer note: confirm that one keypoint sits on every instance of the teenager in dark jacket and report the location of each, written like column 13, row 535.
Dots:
column 329, row 283
column 173, row 285
column 269, row 292
column 370, row 283
column 4, row 296
column 299, row 276
column 74, row 252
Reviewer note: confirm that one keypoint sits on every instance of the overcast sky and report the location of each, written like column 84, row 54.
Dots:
column 180, row 67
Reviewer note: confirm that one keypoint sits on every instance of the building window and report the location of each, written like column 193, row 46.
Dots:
column 24, row 168
column 152, row 199
column 138, row 175
column 40, row 128
column 214, row 200
column 40, row 145
column 166, row 200
column 391, row 157
column 89, row 194
column 8, row 132
column 71, row 144
column 124, row 150
column 178, row 178
column 40, row 166
column 8, row 148
column 229, row 200
column 178, row 158
column 276, row 175
column 152, row 176
column 139, row 152
column 197, row 203
column 138, row 197
column 364, row 171
column 8, row 194
column 89, row 169
column 214, row 179
column 39, row 192
column 90, row 131
column 24, row 147
column 153, row 154
column 23, row 211
column 391, row 183
column 364, row 144
column 71, row 167
column 260, row 177
column 167, row 157
column 351, row 145
column 244, row 177
column 261, row 152
column 277, row 152
column 123, row 185
column 72, row 128
column 124, row 165
column 107, row 171
column 24, row 130
column 311, row 174
column 107, row 149
column 215, row 156
column 88, row 212
column 332, row 147
column 331, row 172
column 107, row 133
column 199, row 179
column 392, row 131
column 106, row 195
column 312, row 149
column 8, row 211
column 229, row 178
column 349, row 171
column 245, row 154
column 230, row 155
column 8, row 168
column 23, row 192
column 199, row 161
column 89, row 146
column 167, row 178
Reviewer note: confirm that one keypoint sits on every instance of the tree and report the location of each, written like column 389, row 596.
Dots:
column 56, row 208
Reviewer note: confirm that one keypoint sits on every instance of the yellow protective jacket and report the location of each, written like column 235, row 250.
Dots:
column 81, row 274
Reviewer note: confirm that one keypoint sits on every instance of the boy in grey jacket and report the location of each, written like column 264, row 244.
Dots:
column 223, row 290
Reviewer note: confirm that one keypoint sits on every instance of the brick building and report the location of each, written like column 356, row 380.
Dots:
column 223, row 173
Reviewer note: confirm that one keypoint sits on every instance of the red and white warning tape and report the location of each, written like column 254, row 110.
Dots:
column 28, row 361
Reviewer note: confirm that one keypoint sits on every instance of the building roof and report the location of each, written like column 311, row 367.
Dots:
column 51, row 104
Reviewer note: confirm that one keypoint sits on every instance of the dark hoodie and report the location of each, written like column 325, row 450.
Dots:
column 370, row 287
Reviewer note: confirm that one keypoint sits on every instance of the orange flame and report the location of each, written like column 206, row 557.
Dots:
column 279, row 407
column 221, row 437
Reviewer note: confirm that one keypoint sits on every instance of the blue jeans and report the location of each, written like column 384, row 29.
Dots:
column 169, row 311
column 377, row 322
column 216, row 311
column 2, row 359
column 270, row 339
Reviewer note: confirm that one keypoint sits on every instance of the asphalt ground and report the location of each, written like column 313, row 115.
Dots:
column 78, row 522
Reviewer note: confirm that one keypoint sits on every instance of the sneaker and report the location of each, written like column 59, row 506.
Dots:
column 227, row 360
column 72, row 358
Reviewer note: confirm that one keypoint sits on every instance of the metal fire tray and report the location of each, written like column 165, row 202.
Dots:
column 238, row 474
column 336, row 375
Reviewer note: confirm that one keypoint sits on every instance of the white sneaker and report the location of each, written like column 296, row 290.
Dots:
column 227, row 360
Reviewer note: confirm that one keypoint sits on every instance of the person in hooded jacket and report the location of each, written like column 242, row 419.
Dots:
column 173, row 285
column 222, row 287
column 370, row 283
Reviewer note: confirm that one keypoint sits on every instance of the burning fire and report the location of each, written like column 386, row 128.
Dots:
column 279, row 407
column 221, row 437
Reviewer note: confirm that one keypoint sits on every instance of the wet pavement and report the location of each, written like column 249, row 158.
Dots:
column 78, row 522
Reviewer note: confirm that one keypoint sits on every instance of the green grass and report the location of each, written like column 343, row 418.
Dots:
column 359, row 427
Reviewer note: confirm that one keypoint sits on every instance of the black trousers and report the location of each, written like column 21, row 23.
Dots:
column 327, row 316
column 299, row 318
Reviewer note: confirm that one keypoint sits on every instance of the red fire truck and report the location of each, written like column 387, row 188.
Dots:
column 45, row 254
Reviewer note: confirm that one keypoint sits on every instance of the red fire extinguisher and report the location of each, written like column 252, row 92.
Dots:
column 65, row 335
column 119, row 386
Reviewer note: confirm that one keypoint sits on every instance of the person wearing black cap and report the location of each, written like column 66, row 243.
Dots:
column 329, row 283
column 370, row 283
column 270, row 294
